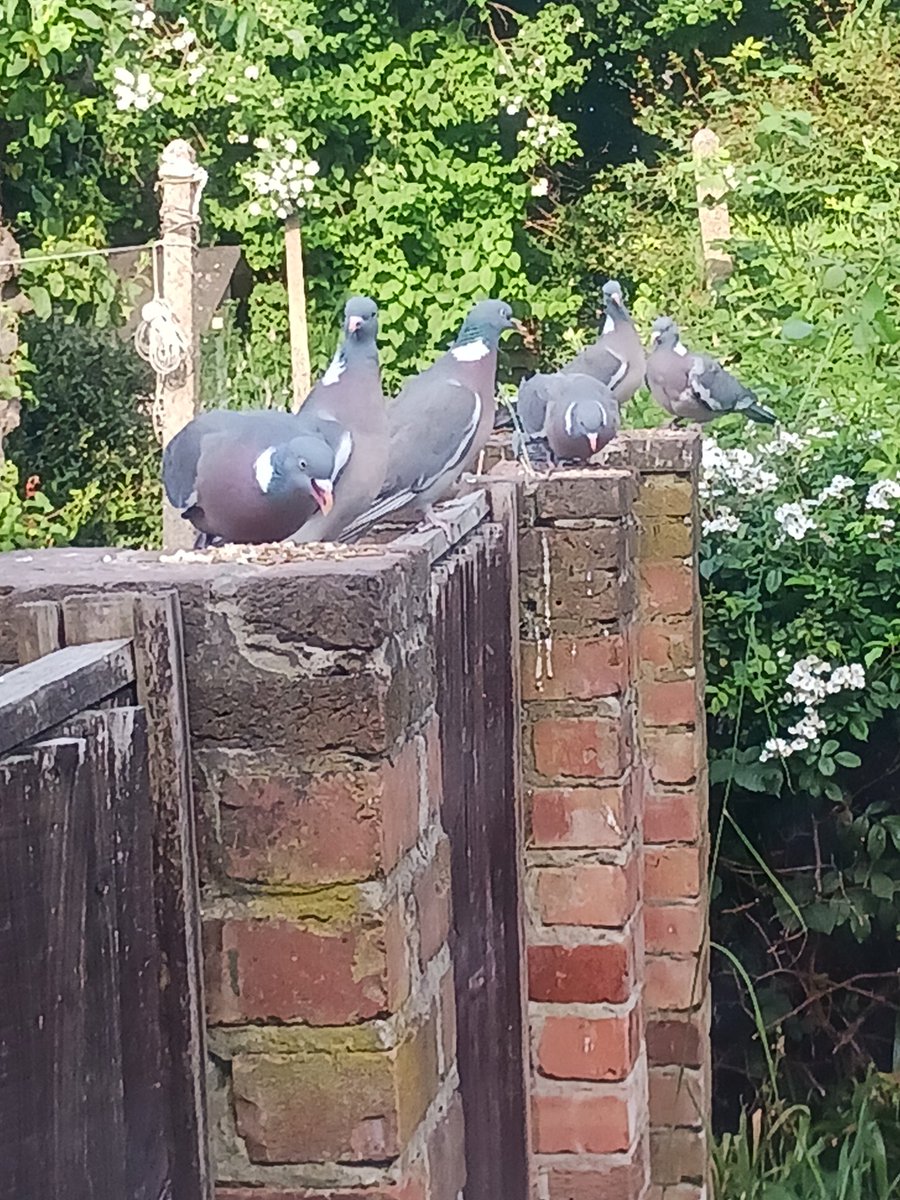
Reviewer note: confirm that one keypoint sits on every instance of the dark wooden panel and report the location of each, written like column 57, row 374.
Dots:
column 37, row 696
column 476, row 701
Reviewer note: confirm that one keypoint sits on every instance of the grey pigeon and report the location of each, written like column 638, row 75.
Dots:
column 617, row 357
column 242, row 476
column 576, row 415
column 694, row 387
column 441, row 420
column 350, row 393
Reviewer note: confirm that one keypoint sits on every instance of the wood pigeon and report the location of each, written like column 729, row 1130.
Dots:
column 441, row 420
column 694, row 387
column 576, row 415
column 253, row 476
column 350, row 394
column 617, row 357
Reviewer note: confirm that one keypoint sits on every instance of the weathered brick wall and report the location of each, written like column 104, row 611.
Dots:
column 326, row 892
column 615, row 872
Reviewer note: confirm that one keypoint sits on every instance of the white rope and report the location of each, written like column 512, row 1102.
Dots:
column 159, row 339
column 106, row 251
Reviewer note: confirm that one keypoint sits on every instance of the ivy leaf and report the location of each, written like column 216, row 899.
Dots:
column 882, row 886
column 40, row 298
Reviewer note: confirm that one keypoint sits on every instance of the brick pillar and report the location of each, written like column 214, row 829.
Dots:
column 329, row 982
column 583, row 859
column 676, row 840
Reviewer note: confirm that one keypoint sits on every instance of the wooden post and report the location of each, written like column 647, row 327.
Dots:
column 299, row 331
column 177, row 396
column 712, row 210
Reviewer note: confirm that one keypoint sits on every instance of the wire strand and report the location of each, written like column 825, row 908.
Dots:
column 105, row 251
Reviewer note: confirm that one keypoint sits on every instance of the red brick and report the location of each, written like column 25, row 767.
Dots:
column 276, row 970
column 624, row 1181
column 679, row 1043
column 447, row 1154
column 432, row 893
column 285, row 827
column 672, row 755
column 669, row 702
column 674, row 928
column 595, row 894
column 672, row 872
column 672, row 983
column 417, row 1074
column 583, row 817
column 667, row 646
column 665, row 495
column 677, row 1098
column 580, row 494
column 573, row 554
column 397, row 954
column 671, row 817
column 578, row 1122
column 581, row 974
column 595, row 1049
column 321, row 1108
column 667, row 589
column 411, row 1189
column 577, row 747
column 578, row 669
column 678, row 1155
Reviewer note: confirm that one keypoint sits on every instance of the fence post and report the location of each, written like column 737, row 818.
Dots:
column 299, row 330
column 177, row 396
column 712, row 210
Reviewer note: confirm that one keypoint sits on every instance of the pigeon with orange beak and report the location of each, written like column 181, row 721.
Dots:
column 575, row 415
column 349, row 394
column 252, row 476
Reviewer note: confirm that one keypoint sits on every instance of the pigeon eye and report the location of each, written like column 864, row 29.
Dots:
column 302, row 464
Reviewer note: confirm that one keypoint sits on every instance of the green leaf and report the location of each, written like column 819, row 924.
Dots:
column 795, row 329
column 847, row 758
column 882, row 886
column 835, row 277
column 40, row 298
column 876, row 842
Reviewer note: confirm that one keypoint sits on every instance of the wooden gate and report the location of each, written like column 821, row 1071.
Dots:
column 476, row 651
column 101, row 1035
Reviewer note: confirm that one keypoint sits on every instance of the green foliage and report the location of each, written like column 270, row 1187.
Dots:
column 88, row 433
column 30, row 521
column 784, row 1153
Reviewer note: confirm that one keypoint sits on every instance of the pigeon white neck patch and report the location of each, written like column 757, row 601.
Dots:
column 335, row 370
column 680, row 348
column 263, row 469
column 470, row 351
column 608, row 325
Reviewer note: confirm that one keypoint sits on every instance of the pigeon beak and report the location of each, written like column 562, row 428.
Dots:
column 592, row 442
column 354, row 323
column 324, row 494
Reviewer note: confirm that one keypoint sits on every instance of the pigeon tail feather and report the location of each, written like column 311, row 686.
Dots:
column 759, row 412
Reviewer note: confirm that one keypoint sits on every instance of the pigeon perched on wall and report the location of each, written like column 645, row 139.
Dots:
column 350, row 394
column 576, row 415
column 441, row 420
column 694, row 387
column 242, row 476
column 617, row 357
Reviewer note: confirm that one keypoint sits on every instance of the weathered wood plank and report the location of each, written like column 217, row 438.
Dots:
column 38, row 629
column 43, row 693
column 96, row 616
column 162, row 691
column 459, row 516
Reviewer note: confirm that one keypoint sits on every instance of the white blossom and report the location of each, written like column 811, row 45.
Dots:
column 262, row 143
column 723, row 520
column 881, row 494
column 784, row 444
column 794, row 520
column 290, row 144
column 184, row 39
column 834, row 490
column 251, row 72
column 810, row 682
column 312, row 167
column 733, row 471
column 230, row 98
column 254, row 208
column 123, row 76
column 195, row 74
column 541, row 186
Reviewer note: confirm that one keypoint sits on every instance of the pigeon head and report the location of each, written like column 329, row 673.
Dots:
column 665, row 333
column 586, row 418
column 612, row 295
column 360, row 319
column 486, row 321
column 304, row 464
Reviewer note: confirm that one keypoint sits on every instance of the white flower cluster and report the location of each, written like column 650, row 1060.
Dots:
column 134, row 92
column 512, row 104
column 794, row 520
column 540, row 130
column 286, row 183
column 143, row 16
column 835, row 490
column 881, row 494
column 811, row 681
column 737, row 471
column 723, row 520
column 783, row 444
column 541, row 186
